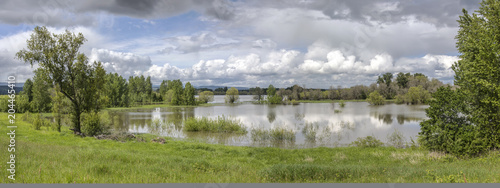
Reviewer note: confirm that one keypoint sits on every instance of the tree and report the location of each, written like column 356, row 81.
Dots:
column 375, row 98
column 385, row 79
column 177, row 95
column 478, row 70
column 467, row 121
column 116, row 90
column 402, row 79
column 206, row 96
column 189, row 92
column 58, row 55
column 232, row 95
column 271, row 91
column 258, row 92
column 449, row 127
column 417, row 95
column 41, row 97
column 28, row 89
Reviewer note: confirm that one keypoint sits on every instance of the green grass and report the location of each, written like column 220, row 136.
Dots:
column 277, row 134
column 47, row 156
column 220, row 125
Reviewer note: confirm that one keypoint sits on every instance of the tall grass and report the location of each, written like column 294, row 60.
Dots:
column 277, row 134
column 220, row 125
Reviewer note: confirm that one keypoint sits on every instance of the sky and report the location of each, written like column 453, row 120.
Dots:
column 248, row 43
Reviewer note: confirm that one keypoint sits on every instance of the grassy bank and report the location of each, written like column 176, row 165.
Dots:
column 47, row 156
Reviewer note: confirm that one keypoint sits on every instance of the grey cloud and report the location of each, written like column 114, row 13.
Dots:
column 442, row 13
column 74, row 12
column 125, row 64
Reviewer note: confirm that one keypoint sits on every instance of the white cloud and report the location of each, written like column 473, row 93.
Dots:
column 125, row 64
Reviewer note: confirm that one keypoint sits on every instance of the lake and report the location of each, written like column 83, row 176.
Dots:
column 330, row 124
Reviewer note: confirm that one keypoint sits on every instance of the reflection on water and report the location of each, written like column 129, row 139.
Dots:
column 313, row 124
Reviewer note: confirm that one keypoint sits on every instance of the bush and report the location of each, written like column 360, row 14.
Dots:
column 91, row 124
column 417, row 95
column 367, row 142
column 375, row 98
column 342, row 104
column 206, row 96
column 400, row 99
column 449, row 126
column 37, row 122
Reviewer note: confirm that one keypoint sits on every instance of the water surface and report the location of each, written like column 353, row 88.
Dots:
column 333, row 125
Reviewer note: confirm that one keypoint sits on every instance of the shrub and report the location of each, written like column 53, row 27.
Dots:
column 206, row 96
column 449, row 127
column 342, row 104
column 375, row 98
column 366, row 142
column 417, row 95
column 37, row 122
column 91, row 124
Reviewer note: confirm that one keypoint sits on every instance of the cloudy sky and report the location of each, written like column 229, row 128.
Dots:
column 317, row 43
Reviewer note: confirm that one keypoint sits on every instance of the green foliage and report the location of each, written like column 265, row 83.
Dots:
column 400, row 99
column 342, row 104
column 232, row 95
column 417, row 95
column 221, row 124
column 258, row 93
column 189, row 93
column 116, row 91
column 22, row 103
column 206, row 96
column 402, row 79
column 177, row 94
column 28, row 89
column 449, row 127
column 367, row 142
column 271, row 91
column 41, row 98
column 60, row 106
column 59, row 57
column 385, row 79
column 275, row 99
column 37, row 122
column 375, row 98
column 92, row 124
column 478, row 70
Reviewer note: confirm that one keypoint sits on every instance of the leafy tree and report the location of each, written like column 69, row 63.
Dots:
column 232, row 95
column 206, row 96
column 271, row 91
column 28, row 89
column 189, row 93
column 385, row 79
column 467, row 121
column 117, row 90
column 375, row 98
column 60, row 105
column 41, row 97
column 478, row 70
column 58, row 55
column 417, row 95
column 177, row 95
column 449, row 127
column 258, row 92
column 402, row 79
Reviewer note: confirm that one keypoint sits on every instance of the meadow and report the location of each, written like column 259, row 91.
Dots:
column 48, row 156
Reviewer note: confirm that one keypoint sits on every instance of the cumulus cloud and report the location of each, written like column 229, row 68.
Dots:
column 126, row 64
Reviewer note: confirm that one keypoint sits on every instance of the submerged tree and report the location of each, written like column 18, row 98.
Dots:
column 232, row 95
column 58, row 55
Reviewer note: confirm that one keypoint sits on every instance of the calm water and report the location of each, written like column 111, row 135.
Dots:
column 334, row 125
